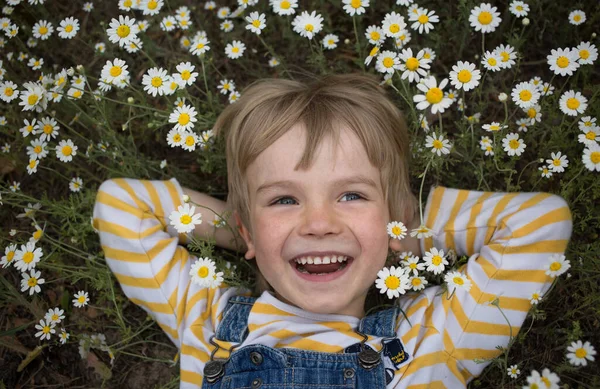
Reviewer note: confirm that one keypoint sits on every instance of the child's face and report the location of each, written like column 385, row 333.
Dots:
column 313, row 212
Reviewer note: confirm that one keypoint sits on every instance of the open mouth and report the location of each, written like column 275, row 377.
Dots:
column 321, row 270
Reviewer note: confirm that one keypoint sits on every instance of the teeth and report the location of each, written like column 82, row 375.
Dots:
column 321, row 260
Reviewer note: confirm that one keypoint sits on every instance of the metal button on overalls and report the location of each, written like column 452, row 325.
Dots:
column 348, row 372
column 256, row 357
column 256, row 383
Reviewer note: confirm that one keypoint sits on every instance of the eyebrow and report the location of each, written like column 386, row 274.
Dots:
column 341, row 182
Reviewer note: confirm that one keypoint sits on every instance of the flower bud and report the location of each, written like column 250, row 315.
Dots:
column 186, row 198
column 502, row 97
column 80, row 68
column 123, row 127
column 70, row 71
column 130, row 100
column 593, row 35
column 525, row 21
column 347, row 41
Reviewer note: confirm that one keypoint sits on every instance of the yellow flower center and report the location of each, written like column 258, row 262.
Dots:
column 492, row 61
column 285, row 4
column 127, row 3
column 555, row 266
column 46, row 329
column 185, row 219
column 200, row 46
column 546, row 381
column 562, row 62
column 423, row 19
column 434, row 95
column 464, row 76
column 10, row 256
column 485, row 17
column 577, row 18
column 412, row 63
column 32, row 282
column 426, row 55
column 412, row 266
column 519, row 8
column 190, row 141
column 37, row 149
column 375, row 35
column 235, row 49
column 394, row 28
column 535, row 296
column 55, row 317
column 77, row 94
column 156, row 82
column 436, row 260
column 43, row 30
column 32, row 163
column 309, row 27
column 494, row 127
column 437, row 144
column 590, row 135
column 38, row 234
column 458, row 280
column 115, row 71
column 525, row 95
column 203, row 272
column 595, row 157
column 355, row 3
column 580, row 353
column 81, row 299
column 184, row 119
column 48, row 129
column 514, row 144
column 556, row 162
column 9, row 91
column 505, row 56
column 67, row 150
column 374, row 51
column 531, row 112
column 396, row 230
column 584, row 54
column 388, row 62
column 28, row 257
column 392, row 282
column 416, row 281
column 573, row 103
column 152, row 4
column 32, row 99
column 69, row 28
column 186, row 75
column 256, row 23
column 123, row 31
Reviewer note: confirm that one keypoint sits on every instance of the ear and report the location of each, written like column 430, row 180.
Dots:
column 251, row 252
column 396, row 245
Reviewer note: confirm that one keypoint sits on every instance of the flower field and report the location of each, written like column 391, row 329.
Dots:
column 498, row 96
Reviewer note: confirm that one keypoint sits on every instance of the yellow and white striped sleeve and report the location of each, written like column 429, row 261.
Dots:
column 509, row 239
column 142, row 249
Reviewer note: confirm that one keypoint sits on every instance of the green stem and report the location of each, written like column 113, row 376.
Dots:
column 421, row 191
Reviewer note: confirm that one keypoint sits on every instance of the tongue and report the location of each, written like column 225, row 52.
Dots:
column 329, row 268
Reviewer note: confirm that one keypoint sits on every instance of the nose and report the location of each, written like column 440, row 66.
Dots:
column 319, row 220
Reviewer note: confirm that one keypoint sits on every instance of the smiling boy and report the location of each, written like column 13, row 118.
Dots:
column 316, row 171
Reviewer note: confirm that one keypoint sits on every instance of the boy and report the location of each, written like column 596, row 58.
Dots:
column 315, row 173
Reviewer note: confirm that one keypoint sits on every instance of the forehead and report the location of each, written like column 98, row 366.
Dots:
column 345, row 159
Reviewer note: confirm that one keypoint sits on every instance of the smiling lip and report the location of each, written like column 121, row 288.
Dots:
column 320, row 254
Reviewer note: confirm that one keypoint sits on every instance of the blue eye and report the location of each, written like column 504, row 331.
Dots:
column 290, row 201
column 353, row 194
column 278, row 201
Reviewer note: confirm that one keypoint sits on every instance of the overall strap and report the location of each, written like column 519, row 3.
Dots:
column 380, row 324
column 234, row 326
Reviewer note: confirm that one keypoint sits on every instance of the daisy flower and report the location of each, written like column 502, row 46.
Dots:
column 464, row 76
column 114, row 71
column 387, row 62
column 33, row 97
column 122, row 30
column 35, row 63
column 591, row 157
column 435, row 261
column 535, row 381
column 491, row 60
column 216, row 280
column 525, row 94
column 572, row 103
column 151, row 7
column 580, row 353
column 393, row 24
column 519, row 8
column 27, row 257
column 183, row 219
column 493, row 127
column 38, row 149
column 223, row 12
column 434, row 95
column 155, row 81
column 513, row 371
column 186, row 75
column 30, row 127
column 547, row 89
column 550, row 379
column 577, row 17
column 587, row 53
column 535, row 297
column 590, row 136
column 534, row 114
column 422, row 20
column 31, row 281
column 546, row 172
column 457, row 280
column 32, row 166
column 397, row 230
column 81, row 299
column 226, row 25
column 8, row 91
column 174, row 138
column 523, row 124
column 75, row 184
column 168, row 23
column 557, row 265
column 330, row 41
column 513, row 145
column 190, row 140
column 9, row 255
column 421, row 232
column 235, row 49
column 284, row 7
column 68, row 28
column 183, row 117
column 45, row 330
column 394, row 281
column 42, row 30
column 226, row 86
column 66, row 150
column 413, row 67
column 507, row 55
column 256, row 22
column 54, row 315
column 413, row 265
column 438, row 145
column 558, row 162
column 202, row 272
column 63, row 336
column 563, row 61
column 484, row 18
column 375, row 35
column 307, row 24
column 355, row 7
column 200, row 46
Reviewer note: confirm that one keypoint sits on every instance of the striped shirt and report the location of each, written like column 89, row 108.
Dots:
column 508, row 238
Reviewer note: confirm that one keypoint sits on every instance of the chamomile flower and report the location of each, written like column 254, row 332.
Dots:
column 100, row 47
column 42, row 30
column 585, row 123
column 183, row 117
column 546, row 172
column 122, row 30
column 557, row 265
column 48, row 128
column 32, row 281
column 168, row 23
column 513, row 371
column 438, row 145
column 8, row 91
column 563, row 61
column 493, row 127
column 433, row 95
column 375, row 35
column 218, row 222
column 577, row 17
column 523, row 124
column 491, row 60
column 28, row 256
column 190, row 140
column 465, row 76
column 35, row 63
column 397, row 230
column 525, row 94
column 32, row 166
column 235, row 49
column 547, row 89
column 330, row 41
column 226, row 86
column 174, row 138
column 355, row 7
column 54, row 315
column 81, row 299
column 417, row 282
column 66, row 150
column 45, row 330
column 507, row 55
column 591, row 157
column 572, row 103
column 9, row 255
column 224, row 12
column 75, row 184
column 413, row 66
column 413, row 265
column 435, row 260
column 557, row 162
column 484, row 18
column 151, row 7
column 422, row 20
column 395, row 281
column 155, row 81
column 519, row 8
column 33, row 97
column 535, row 297
column 534, row 113
column 186, row 75
column 513, row 145
column 63, row 336
column 421, row 232
column 393, row 24
column 183, row 219
column 456, row 280
column 202, row 272
column 579, row 353
column 256, row 22
column 68, row 28
column 307, row 24
column 37, row 149
column 183, row 22
column 114, row 71
column 284, row 7
column 550, row 379
column 587, row 52
column 226, row 25
column 387, row 62
column 200, row 46
column 590, row 136
column 125, row 5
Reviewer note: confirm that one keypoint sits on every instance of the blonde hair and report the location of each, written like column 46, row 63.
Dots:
column 268, row 108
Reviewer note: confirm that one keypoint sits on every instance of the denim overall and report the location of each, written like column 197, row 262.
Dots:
column 259, row 366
